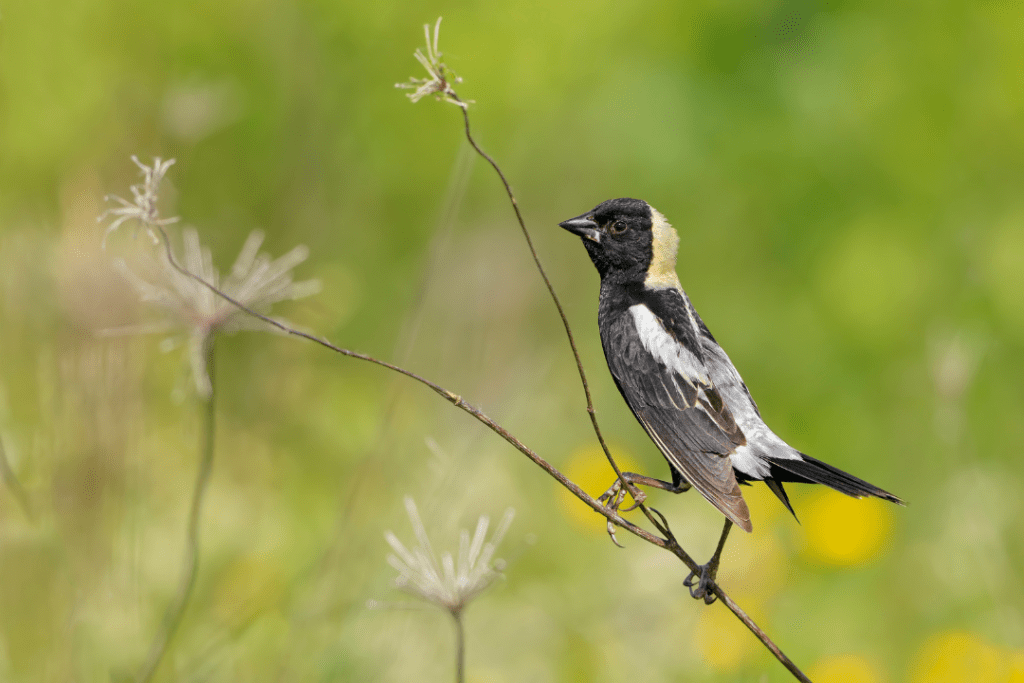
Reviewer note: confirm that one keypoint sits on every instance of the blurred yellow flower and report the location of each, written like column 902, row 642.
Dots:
column 588, row 467
column 957, row 657
column 844, row 531
column 1017, row 666
column 722, row 640
column 765, row 508
column 754, row 565
column 847, row 668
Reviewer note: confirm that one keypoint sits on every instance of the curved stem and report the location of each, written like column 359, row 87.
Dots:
column 668, row 543
column 626, row 484
column 176, row 611
column 554, row 297
column 460, row 647
column 15, row 487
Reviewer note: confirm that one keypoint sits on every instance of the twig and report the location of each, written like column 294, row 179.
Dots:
column 11, row 480
column 176, row 611
column 668, row 543
column 554, row 297
column 453, row 198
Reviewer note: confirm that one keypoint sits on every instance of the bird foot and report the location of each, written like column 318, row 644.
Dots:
column 616, row 495
column 613, row 499
column 701, row 588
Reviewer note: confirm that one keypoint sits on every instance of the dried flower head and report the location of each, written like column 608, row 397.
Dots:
column 255, row 281
column 440, row 78
column 144, row 199
column 453, row 582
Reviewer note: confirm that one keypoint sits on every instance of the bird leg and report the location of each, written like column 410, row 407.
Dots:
column 616, row 495
column 701, row 588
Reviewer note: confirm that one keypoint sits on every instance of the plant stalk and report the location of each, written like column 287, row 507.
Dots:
column 460, row 647
column 190, row 565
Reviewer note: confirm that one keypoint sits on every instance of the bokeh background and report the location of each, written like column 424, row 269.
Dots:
column 847, row 181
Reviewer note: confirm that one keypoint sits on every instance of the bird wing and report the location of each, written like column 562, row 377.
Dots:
column 659, row 371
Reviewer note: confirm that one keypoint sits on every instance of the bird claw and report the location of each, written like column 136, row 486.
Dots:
column 613, row 499
column 611, row 534
column 700, row 588
column 616, row 496
column 638, row 500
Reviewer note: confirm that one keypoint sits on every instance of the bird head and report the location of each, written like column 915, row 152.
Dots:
column 629, row 240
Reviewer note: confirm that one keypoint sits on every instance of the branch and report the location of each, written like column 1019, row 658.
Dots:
column 668, row 543
column 633, row 491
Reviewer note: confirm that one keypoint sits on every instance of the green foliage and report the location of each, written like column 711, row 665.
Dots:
column 846, row 178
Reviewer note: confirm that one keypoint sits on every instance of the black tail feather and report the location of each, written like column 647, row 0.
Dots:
column 776, row 487
column 811, row 470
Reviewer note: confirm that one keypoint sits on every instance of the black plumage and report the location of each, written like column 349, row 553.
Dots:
column 685, row 417
column 677, row 380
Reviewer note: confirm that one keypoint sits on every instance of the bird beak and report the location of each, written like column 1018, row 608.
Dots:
column 584, row 226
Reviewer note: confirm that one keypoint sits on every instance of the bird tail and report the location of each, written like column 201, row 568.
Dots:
column 811, row 470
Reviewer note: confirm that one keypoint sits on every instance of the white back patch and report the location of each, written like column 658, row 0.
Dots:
column 666, row 350
column 744, row 459
column 661, row 274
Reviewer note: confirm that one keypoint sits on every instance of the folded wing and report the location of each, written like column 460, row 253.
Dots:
column 668, row 390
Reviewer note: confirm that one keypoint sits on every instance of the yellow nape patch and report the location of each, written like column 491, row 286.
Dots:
column 661, row 274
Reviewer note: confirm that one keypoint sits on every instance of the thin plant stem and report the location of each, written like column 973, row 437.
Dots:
column 669, row 543
column 458, row 183
column 460, row 647
column 662, row 525
column 554, row 297
column 11, row 480
column 190, row 565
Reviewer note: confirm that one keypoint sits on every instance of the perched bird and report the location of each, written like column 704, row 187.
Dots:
column 679, row 382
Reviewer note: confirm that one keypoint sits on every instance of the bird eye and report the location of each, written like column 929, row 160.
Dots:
column 618, row 227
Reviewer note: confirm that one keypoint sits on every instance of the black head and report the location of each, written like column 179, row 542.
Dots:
column 626, row 238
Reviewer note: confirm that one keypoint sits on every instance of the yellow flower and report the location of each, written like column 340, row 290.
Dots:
column 847, row 668
column 722, row 640
column 1016, row 667
column 844, row 531
column 588, row 467
column 958, row 656
column 754, row 565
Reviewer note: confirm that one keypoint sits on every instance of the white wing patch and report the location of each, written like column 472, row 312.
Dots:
column 666, row 350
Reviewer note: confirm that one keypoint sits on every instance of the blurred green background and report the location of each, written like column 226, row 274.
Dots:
column 847, row 181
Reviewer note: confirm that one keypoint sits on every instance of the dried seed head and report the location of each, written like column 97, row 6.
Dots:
column 144, row 200
column 454, row 581
column 440, row 78
column 187, row 306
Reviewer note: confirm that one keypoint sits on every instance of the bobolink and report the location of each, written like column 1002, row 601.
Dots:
column 679, row 382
